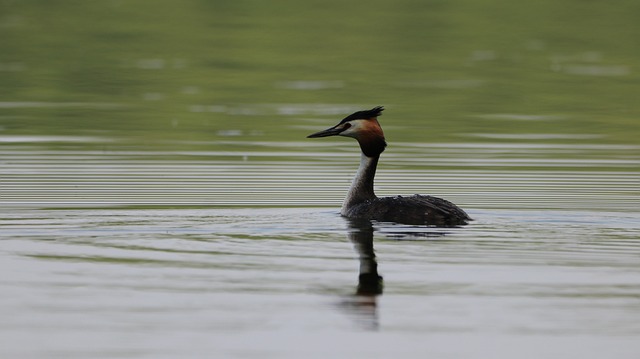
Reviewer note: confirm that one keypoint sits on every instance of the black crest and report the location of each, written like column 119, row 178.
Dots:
column 363, row 115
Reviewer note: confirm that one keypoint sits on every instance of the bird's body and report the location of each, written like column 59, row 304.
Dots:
column 417, row 209
column 361, row 201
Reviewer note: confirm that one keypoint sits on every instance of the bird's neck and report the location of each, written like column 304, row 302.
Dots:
column 362, row 186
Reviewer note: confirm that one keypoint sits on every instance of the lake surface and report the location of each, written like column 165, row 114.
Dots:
column 159, row 199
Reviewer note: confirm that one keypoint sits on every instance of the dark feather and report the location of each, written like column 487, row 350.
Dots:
column 416, row 209
column 364, row 115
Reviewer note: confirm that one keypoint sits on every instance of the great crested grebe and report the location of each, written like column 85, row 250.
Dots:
column 361, row 201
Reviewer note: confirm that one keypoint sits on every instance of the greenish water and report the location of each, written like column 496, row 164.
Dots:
column 152, row 71
column 159, row 199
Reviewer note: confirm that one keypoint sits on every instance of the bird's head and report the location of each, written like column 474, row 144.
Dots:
column 364, row 127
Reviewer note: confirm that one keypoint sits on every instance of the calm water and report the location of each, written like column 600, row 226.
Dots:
column 158, row 198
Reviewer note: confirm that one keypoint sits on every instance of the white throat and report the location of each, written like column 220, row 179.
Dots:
column 361, row 188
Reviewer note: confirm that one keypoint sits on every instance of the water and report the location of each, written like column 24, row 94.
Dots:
column 158, row 198
column 128, row 254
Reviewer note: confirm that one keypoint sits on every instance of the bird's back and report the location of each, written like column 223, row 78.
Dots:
column 416, row 209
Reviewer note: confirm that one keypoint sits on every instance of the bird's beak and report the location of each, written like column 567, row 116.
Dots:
column 333, row 131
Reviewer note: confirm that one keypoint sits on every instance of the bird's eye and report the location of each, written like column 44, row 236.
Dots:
column 346, row 125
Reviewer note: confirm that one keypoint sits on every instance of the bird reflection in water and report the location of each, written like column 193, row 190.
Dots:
column 363, row 303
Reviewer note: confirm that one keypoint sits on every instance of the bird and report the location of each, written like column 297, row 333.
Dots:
column 362, row 203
